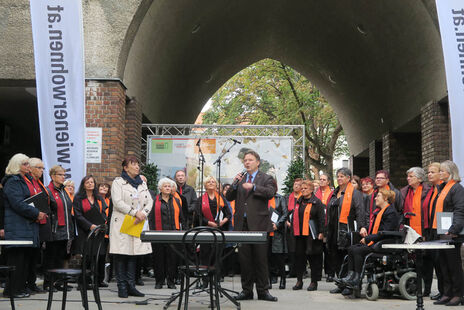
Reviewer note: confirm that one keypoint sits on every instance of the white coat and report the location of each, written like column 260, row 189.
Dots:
column 123, row 196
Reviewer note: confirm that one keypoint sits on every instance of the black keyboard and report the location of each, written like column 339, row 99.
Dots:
column 175, row 236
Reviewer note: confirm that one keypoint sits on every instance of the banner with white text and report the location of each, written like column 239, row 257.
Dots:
column 57, row 32
column 451, row 20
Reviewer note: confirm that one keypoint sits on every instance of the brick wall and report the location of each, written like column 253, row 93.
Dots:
column 133, row 131
column 375, row 157
column 106, row 108
column 401, row 151
column 436, row 134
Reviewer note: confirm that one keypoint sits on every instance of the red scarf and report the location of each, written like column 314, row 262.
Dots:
column 292, row 200
column 296, row 220
column 205, row 208
column 59, row 204
column 158, row 221
column 412, row 203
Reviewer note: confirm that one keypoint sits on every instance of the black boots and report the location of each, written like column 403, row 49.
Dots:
column 282, row 282
column 348, row 277
column 120, row 271
column 354, row 281
column 131, row 268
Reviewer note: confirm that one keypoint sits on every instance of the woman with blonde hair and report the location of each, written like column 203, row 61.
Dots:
column 21, row 223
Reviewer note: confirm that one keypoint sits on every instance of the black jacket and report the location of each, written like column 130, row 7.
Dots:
column 279, row 244
column 316, row 214
column 454, row 202
column 213, row 208
column 389, row 222
column 66, row 232
column 167, row 214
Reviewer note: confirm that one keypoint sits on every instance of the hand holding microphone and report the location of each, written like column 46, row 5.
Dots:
column 239, row 177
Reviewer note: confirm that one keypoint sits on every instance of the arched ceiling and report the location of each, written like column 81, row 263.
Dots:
column 377, row 61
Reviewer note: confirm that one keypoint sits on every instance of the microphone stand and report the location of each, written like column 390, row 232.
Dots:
column 201, row 168
column 218, row 162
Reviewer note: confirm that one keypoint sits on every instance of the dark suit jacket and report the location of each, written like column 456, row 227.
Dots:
column 254, row 203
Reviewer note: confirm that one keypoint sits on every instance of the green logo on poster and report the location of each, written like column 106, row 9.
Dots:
column 161, row 146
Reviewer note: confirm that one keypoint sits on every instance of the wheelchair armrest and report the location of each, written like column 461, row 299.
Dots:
column 392, row 234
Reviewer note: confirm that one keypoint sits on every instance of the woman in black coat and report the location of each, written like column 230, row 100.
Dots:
column 307, row 227
column 278, row 240
column 385, row 219
column 86, row 199
column 450, row 198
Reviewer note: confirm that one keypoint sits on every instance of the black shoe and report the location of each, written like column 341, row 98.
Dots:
column 329, row 279
column 132, row 291
column 171, row 286
column 283, row 282
column 336, row 290
column 158, row 286
column 273, row 280
column 178, row 281
column 455, row 301
column 139, row 282
column 102, row 284
column 354, row 281
column 244, row 296
column 47, row 288
column 61, row 288
column 435, row 297
column 35, row 289
column 442, row 301
column 348, row 277
column 347, row 291
column 19, row 295
column 266, row 296
column 298, row 286
column 312, row 286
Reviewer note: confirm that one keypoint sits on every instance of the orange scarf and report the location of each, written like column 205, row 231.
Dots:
column 296, row 220
column 232, row 206
column 378, row 219
column 413, row 203
column 441, row 199
column 271, row 204
column 346, row 204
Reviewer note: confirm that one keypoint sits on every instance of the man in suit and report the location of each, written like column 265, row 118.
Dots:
column 251, row 192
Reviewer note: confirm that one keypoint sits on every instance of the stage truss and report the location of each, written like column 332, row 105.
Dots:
column 297, row 132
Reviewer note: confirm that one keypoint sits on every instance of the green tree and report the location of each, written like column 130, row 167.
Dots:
column 295, row 170
column 150, row 171
column 270, row 92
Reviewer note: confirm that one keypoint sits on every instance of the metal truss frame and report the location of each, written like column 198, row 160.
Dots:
column 297, row 132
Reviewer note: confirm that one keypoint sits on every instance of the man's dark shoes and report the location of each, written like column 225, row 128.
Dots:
column 435, row 297
column 329, row 279
column 244, row 296
column 455, row 301
column 158, row 286
column 171, row 286
column 312, row 287
column 266, row 296
column 336, row 290
column 442, row 301
column 298, row 286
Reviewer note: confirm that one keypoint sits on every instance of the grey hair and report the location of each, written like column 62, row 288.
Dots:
column 14, row 165
column 164, row 181
column 452, row 169
column 418, row 172
column 68, row 182
column 345, row 171
column 34, row 161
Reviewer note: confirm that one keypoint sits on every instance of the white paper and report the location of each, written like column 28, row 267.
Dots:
column 32, row 204
column 274, row 217
column 445, row 222
column 219, row 216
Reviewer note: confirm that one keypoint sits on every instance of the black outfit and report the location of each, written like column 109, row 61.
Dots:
column 307, row 248
column 278, row 242
column 450, row 260
column 338, row 233
column 188, row 205
column 357, row 252
column 164, row 258
column 290, row 241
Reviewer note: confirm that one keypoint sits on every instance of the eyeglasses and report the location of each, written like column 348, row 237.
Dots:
column 60, row 174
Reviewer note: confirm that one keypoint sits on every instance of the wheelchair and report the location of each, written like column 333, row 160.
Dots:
column 388, row 272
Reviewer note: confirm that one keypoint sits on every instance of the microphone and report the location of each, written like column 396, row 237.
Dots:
column 198, row 142
column 236, row 141
column 242, row 174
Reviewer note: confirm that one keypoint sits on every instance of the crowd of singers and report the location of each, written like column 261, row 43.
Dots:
column 312, row 225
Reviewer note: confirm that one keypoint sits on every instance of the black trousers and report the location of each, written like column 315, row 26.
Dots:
column 328, row 268
column 356, row 255
column 164, row 263
column 253, row 266
column 291, row 252
column 315, row 261
column 452, row 271
column 33, row 261
column 336, row 257
column 19, row 258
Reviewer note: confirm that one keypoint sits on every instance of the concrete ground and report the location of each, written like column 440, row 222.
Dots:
column 155, row 299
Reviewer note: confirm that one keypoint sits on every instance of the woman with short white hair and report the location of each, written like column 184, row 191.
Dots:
column 21, row 223
column 166, row 214
column 450, row 198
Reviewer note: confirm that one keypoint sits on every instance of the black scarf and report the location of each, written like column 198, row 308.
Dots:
column 134, row 182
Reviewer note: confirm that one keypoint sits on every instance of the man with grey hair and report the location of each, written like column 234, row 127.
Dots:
column 415, row 198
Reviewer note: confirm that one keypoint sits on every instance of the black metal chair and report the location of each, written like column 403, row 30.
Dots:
column 192, row 267
column 9, row 271
column 90, row 257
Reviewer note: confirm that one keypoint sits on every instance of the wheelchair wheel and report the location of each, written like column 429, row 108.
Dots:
column 372, row 291
column 408, row 285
